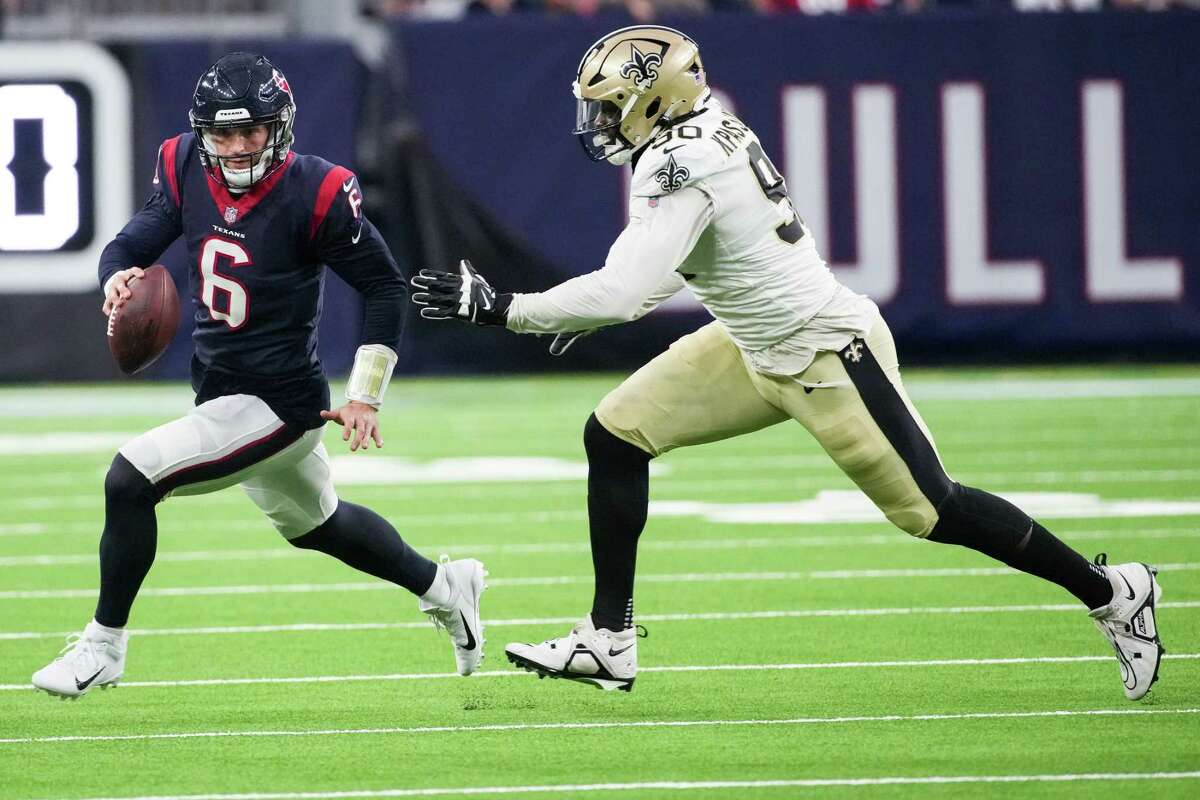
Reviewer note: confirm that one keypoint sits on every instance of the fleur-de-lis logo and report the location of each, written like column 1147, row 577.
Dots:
column 672, row 176
column 642, row 67
column 853, row 351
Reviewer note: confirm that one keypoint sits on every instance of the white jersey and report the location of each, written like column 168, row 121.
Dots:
column 707, row 206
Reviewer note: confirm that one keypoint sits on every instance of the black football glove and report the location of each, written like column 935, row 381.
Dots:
column 464, row 295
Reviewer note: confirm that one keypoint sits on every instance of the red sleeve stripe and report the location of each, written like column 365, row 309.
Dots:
column 168, row 156
column 330, row 187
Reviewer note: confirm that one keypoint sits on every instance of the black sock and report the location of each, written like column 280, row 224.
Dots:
column 618, row 494
column 128, row 543
column 366, row 541
column 997, row 528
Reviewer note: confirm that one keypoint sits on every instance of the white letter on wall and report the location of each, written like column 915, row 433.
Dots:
column 1111, row 275
column 806, row 167
column 970, row 276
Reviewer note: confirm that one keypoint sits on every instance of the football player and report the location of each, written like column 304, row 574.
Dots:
column 260, row 221
column 709, row 210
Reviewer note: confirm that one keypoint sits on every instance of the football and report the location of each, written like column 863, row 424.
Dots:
column 141, row 328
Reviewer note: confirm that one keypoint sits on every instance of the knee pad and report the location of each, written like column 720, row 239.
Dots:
column 124, row 483
column 604, row 448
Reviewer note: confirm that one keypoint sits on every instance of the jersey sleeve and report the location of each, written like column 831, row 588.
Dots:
column 636, row 275
column 347, row 242
column 155, row 226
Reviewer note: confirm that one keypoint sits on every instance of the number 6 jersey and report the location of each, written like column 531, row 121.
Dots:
column 256, row 272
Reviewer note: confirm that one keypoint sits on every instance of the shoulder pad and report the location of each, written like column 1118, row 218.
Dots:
column 667, row 167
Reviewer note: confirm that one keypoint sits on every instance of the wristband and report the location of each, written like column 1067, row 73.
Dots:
column 373, row 365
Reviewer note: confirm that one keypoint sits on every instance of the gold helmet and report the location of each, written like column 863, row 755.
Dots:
column 631, row 81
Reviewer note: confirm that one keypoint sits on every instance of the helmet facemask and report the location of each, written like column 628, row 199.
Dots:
column 262, row 162
column 598, row 127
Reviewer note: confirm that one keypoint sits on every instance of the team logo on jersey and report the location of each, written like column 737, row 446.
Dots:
column 230, row 215
column 672, row 176
column 853, row 352
column 641, row 67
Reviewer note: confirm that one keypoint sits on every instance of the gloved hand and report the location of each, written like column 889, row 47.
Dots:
column 464, row 295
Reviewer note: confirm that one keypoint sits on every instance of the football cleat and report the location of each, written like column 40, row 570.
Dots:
column 460, row 619
column 1129, row 624
column 603, row 658
column 91, row 659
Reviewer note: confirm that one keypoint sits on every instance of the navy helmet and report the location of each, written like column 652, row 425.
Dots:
column 239, row 91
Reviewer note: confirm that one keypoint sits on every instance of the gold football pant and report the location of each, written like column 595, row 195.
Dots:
column 852, row 402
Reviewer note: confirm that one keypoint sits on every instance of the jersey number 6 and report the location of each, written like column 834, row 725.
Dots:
column 233, row 306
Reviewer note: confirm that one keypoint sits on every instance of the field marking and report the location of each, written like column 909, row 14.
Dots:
column 886, row 780
column 556, row 580
column 534, row 548
column 677, row 485
column 526, row 726
column 710, row 616
column 512, row 673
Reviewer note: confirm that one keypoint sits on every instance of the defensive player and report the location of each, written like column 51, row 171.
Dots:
column 260, row 221
column 707, row 208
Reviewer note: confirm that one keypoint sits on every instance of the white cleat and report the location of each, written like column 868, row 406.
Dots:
column 461, row 617
column 1129, row 624
column 601, row 657
column 91, row 659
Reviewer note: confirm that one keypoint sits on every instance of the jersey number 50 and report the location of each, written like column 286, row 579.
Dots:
column 233, row 305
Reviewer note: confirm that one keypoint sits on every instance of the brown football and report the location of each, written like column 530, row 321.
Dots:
column 140, row 330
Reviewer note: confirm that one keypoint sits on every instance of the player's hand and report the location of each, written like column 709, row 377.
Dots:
column 358, row 420
column 563, row 341
column 464, row 295
column 118, row 289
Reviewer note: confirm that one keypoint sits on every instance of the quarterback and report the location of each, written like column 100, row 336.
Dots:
column 709, row 210
column 259, row 221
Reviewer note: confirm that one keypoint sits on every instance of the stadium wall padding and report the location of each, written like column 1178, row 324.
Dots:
column 1044, row 171
column 987, row 116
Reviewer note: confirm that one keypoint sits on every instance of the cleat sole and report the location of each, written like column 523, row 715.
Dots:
column 604, row 684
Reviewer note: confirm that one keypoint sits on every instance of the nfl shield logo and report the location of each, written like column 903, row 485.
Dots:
column 230, row 215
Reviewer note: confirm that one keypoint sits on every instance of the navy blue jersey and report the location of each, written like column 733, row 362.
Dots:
column 256, row 271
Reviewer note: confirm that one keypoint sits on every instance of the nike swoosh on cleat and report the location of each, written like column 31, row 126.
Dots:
column 1127, row 586
column 470, row 645
column 88, row 682
column 612, row 652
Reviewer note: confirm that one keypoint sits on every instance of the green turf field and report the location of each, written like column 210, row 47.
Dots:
column 797, row 646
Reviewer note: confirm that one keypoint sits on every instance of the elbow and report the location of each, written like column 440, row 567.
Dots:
column 626, row 312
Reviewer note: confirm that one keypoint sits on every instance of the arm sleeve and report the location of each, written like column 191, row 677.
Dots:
column 637, row 273
column 352, row 247
column 150, row 232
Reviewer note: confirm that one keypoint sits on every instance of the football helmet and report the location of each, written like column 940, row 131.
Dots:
column 238, row 91
column 631, row 82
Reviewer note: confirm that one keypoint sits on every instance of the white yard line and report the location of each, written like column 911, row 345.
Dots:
column 555, row 580
column 508, row 673
column 582, row 546
column 712, row 616
column 684, row 786
column 542, row 726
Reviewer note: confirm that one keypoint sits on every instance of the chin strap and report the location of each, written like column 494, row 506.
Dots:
column 373, row 365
